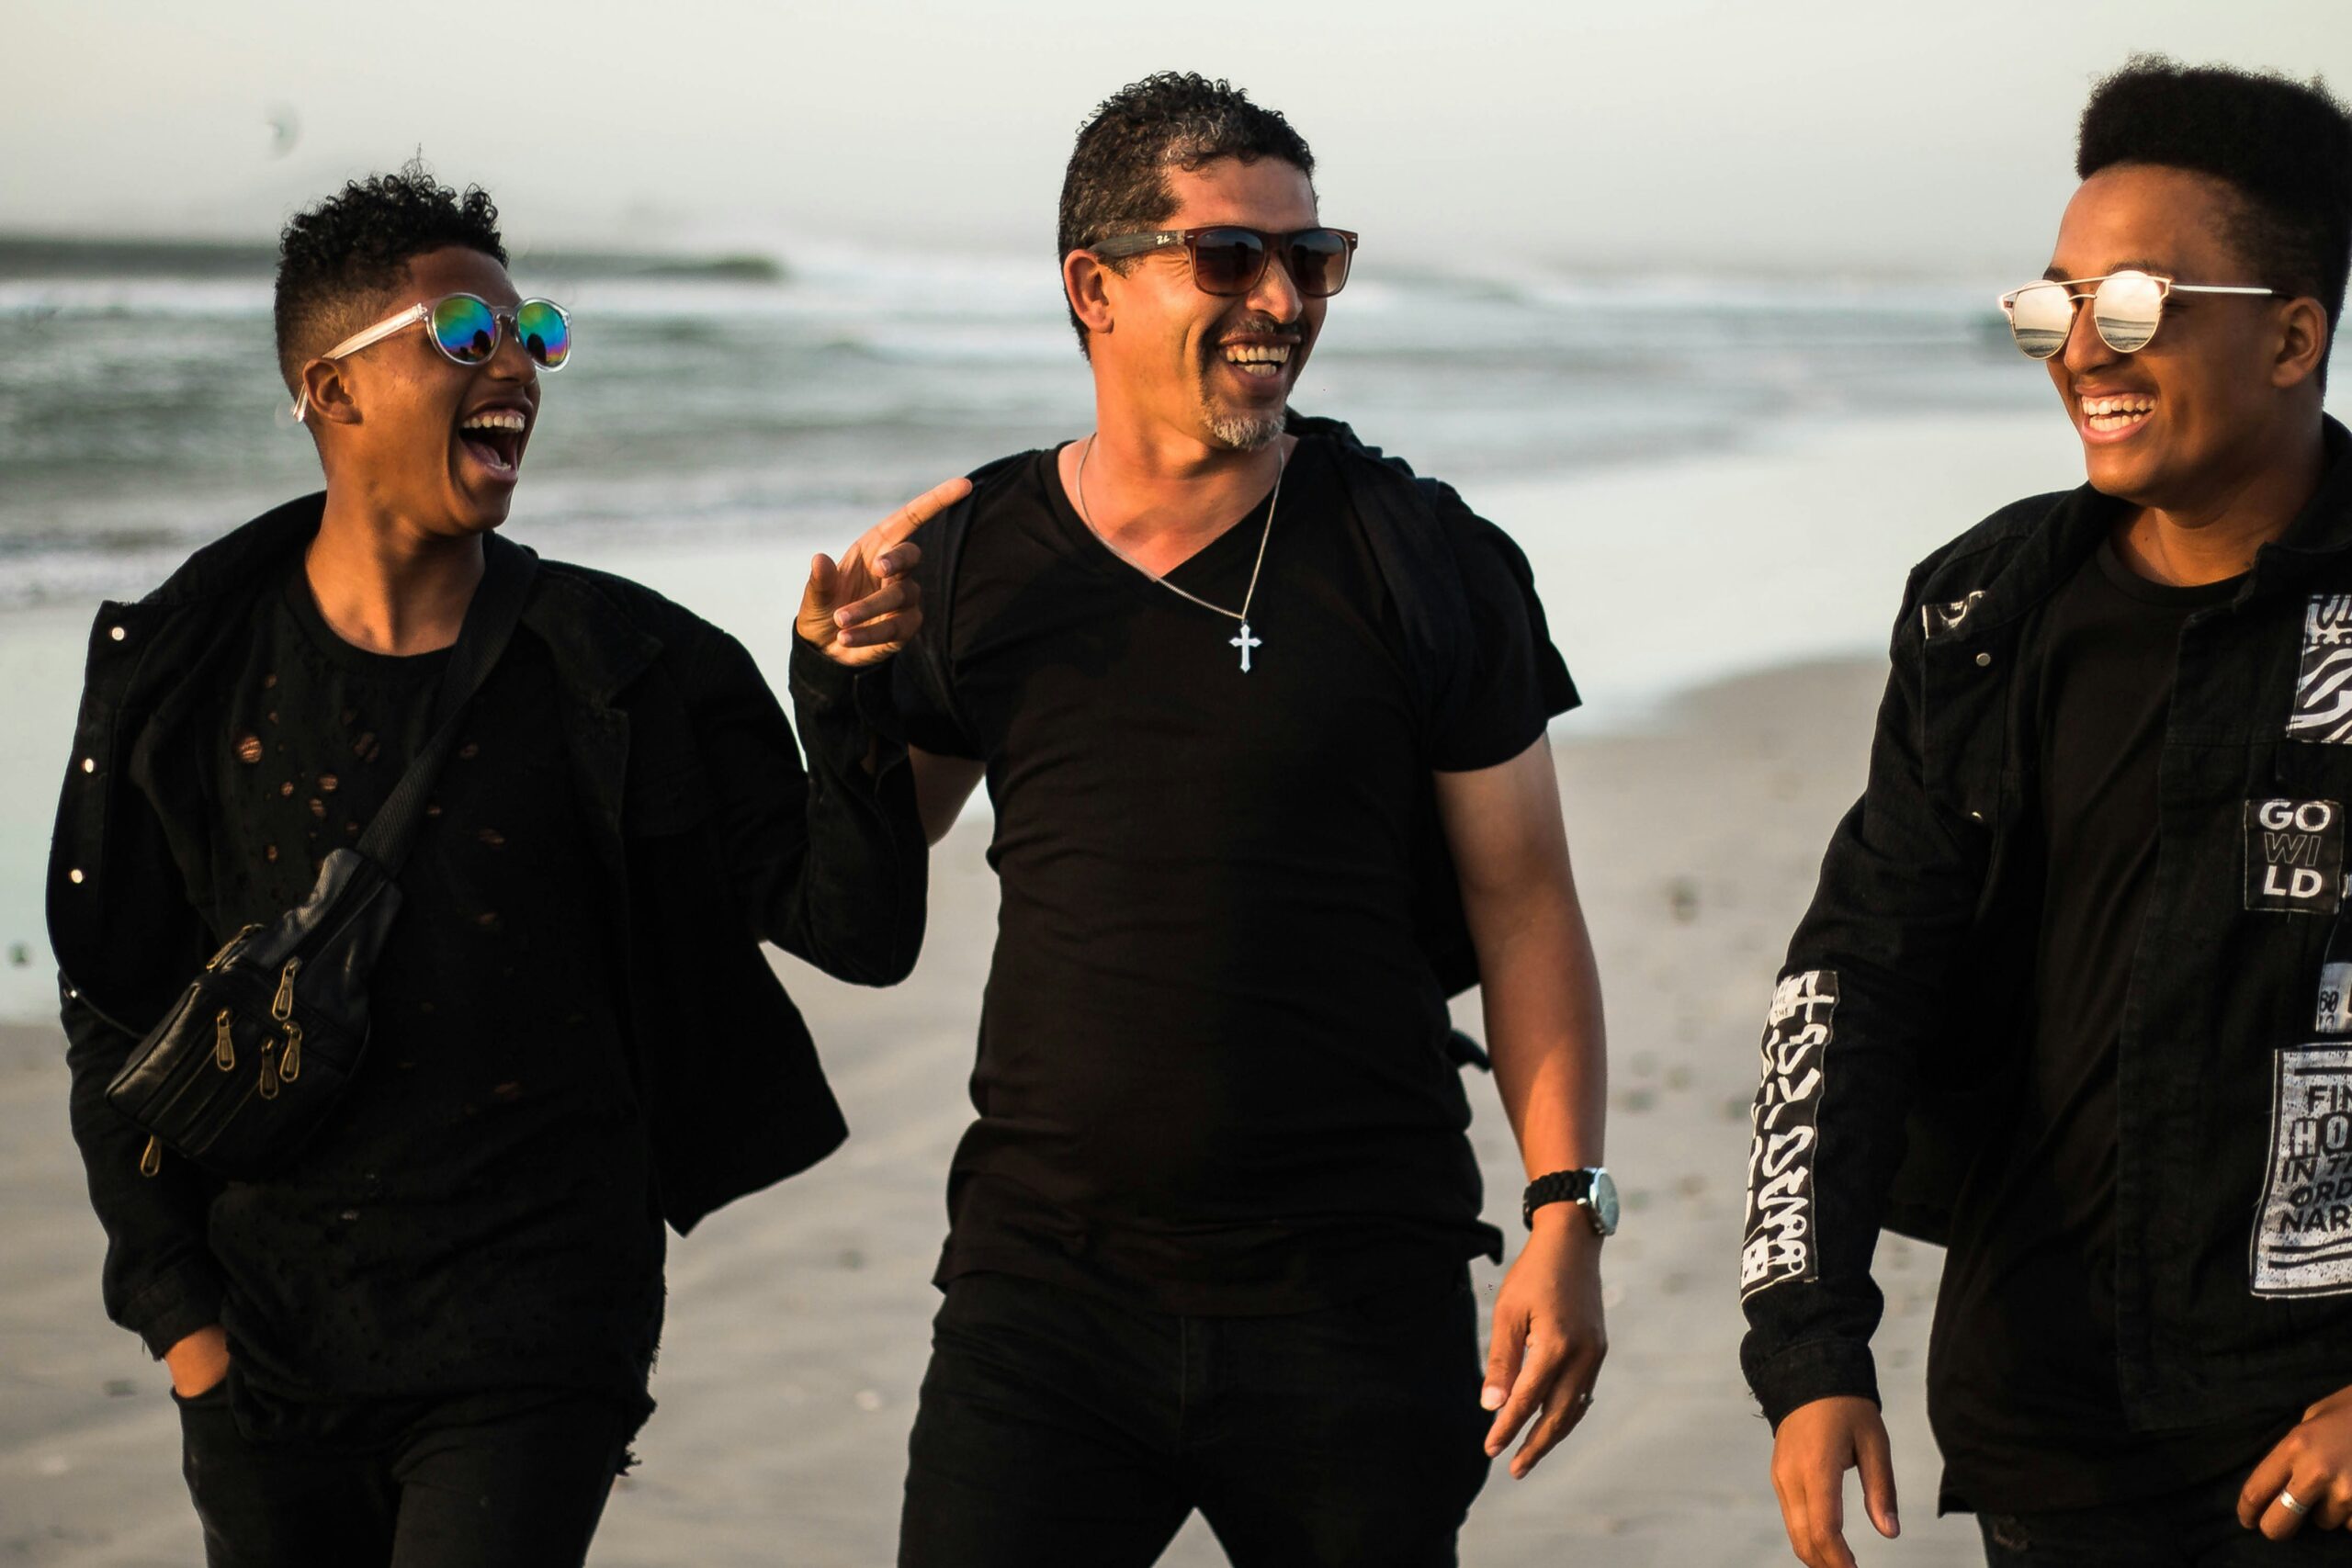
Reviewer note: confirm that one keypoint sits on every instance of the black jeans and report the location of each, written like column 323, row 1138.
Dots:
column 2197, row 1527
column 515, row 1482
column 1059, row 1427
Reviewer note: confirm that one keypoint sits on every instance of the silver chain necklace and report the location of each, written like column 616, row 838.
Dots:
column 1247, row 640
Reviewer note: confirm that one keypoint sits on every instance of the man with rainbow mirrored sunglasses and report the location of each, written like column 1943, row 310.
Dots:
column 2072, row 997
column 425, row 1338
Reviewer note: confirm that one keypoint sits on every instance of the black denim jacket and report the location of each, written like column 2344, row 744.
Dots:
column 1898, row 1024
column 711, row 836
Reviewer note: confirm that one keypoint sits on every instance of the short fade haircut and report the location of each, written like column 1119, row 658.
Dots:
column 336, row 260
column 2283, row 147
column 1118, row 177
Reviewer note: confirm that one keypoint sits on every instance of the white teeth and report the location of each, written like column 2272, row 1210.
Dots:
column 496, row 419
column 1258, row 354
column 2101, row 408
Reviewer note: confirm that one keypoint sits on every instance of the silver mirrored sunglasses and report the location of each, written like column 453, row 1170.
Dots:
column 2125, row 307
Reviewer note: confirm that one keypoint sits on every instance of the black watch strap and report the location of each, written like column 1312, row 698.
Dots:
column 1559, row 1187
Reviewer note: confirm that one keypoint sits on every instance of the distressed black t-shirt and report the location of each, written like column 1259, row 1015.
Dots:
column 2023, row 1388
column 1212, row 1075
column 478, row 1212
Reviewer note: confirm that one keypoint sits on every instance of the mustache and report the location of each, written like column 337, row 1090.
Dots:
column 1263, row 326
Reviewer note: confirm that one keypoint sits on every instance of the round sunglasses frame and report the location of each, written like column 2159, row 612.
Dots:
column 501, row 319
column 1117, row 247
column 2075, row 294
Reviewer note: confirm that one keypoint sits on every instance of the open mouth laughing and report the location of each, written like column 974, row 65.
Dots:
column 495, row 437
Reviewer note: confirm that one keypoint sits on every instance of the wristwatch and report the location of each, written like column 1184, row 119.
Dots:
column 1591, row 1188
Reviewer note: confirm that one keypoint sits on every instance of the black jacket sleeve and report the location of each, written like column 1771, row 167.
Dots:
column 1856, row 1006
column 831, row 863
column 159, row 1280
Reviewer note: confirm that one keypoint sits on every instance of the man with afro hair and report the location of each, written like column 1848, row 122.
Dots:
column 422, row 1335
column 2075, row 994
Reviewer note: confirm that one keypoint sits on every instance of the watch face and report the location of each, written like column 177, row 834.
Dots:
column 1604, row 1201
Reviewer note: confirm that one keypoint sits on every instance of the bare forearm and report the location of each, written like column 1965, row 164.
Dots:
column 1541, row 991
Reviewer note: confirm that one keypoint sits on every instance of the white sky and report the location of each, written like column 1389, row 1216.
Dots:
column 1693, row 135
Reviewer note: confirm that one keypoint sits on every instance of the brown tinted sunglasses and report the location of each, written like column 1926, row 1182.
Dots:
column 1228, row 261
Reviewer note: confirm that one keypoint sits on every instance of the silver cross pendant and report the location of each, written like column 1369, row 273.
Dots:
column 1245, row 642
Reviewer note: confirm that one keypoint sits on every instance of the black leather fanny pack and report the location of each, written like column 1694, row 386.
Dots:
column 262, row 1045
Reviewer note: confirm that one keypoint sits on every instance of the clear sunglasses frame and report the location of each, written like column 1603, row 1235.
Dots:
column 501, row 321
column 2076, row 292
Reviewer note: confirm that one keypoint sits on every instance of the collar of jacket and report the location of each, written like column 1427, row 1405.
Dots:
column 597, row 648
column 2050, row 535
column 145, row 656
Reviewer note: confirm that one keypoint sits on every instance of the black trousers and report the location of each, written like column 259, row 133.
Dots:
column 514, row 1483
column 2197, row 1527
column 1057, row 1426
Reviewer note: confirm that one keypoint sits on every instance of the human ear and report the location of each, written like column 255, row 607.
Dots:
column 2302, row 344
column 1086, row 283
column 330, row 394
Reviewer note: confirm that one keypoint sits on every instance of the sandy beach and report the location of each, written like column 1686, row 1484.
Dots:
column 798, row 1320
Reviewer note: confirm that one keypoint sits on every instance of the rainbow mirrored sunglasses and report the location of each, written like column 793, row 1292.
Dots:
column 2126, row 309
column 465, row 329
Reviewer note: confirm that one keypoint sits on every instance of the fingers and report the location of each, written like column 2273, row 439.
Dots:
column 2281, row 1522
column 1813, row 1510
column 1509, row 1343
column 922, row 509
column 1816, row 1446
column 1565, row 1401
column 2333, row 1514
column 897, row 559
column 1508, row 1348
column 889, row 634
column 817, row 599
column 1874, row 1456
column 1538, row 1371
column 891, row 597
column 2273, row 1472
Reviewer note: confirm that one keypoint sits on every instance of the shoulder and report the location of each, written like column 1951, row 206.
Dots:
column 1424, row 515
column 1993, row 540
column 1001, row 487
column 1972, row 559
column 1993, row 557
column 642, row 608
column 606, row 630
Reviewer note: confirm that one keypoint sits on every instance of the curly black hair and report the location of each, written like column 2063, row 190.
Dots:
column 1118, row 177
column 2283, row 146
column 336, row 260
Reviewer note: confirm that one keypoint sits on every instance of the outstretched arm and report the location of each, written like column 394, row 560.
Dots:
column 1544, row 1029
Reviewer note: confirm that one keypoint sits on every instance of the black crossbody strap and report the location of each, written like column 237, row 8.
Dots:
column 507, row 571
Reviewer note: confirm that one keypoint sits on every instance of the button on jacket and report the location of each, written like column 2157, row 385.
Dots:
column 711, row 836
column 1898, row 1027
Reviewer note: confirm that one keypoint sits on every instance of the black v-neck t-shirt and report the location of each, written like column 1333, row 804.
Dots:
column 1213, row 1074
column 2023, row 1388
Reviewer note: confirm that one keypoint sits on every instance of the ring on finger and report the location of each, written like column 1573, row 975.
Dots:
column 1584, row 1398
column 2294, row 1505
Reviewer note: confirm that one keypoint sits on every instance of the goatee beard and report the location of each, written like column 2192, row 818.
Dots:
column 1246, row 433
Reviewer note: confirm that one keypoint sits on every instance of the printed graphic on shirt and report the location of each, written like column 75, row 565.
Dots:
column 2302, row 1244
column 2294, row 856
column 1942, row 620
column 1785, row 1126
column 2323, row 709
column 2334, row 1000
